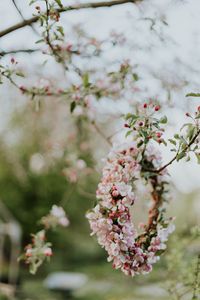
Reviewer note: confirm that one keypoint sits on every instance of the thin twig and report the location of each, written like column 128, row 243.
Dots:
column 21, row 15
column 175, row 157
column 57, row 56
column 101, row 133
column 34, row 19
column 28, row 51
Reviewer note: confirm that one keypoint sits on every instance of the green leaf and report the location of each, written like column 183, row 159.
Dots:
column 31, row 2
column 198, row 157
column 193, row 95
column 163, row 120
column 180, row 156
column 134, row 118
column 61, row 30
column 135, row 77
column 128, row 116
column 39, row 41
column 86, row 80
column 188, row 158
column 191, row 132
column 72, row 106
column 172, row 141
column 176, row 136
column 140, row 144
column 128, row 133
column 20, row 74
column 59, row 3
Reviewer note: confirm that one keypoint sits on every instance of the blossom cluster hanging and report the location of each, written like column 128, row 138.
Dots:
column 111, row 220
column 128, row 167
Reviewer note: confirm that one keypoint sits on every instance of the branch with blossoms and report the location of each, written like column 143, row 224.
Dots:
column 40, row 250
column 63, row 9
column 52, row 33
column 128, row 166
column 10, row 71
column 123, row 173
column 146, row 127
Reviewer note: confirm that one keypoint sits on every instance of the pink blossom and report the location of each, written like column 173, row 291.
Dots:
column 48, row 251
column 110, row 220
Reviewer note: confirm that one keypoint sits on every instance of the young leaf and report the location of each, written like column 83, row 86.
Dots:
column 61, row 30
column 172, row 142
column 180, row 156
column 59, row 3
column 72, row 106
column 163, row 120
column 135, row 77
column 128, row 116
column 128, row 133
column 86, row 80
column 20, row 74
column 176, row 136
column 198, row 157
column 39, row 41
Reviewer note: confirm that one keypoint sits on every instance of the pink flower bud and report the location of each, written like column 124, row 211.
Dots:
column 115, row 193
column 158, row 134
column 29, row 252
column 48, row 252
column 157, row 107
column 22, row 89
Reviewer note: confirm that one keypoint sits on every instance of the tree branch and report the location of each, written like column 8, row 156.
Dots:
column 34, row 19
column 175, row 157
column 28, row 51
column 21, row 15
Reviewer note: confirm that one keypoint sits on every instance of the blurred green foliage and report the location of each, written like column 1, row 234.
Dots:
column 29, row 195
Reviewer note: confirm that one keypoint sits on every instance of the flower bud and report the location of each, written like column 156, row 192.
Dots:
column 48, row 252
column 115, row 193
column 158, row 134
column 29, row 252
column 157, row 107
column 145, row 105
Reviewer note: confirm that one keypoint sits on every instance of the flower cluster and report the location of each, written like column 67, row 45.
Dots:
column 40, row 249
column 111, row 221
column 56, row 217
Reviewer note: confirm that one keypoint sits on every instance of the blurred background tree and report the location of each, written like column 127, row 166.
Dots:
column 116, row 57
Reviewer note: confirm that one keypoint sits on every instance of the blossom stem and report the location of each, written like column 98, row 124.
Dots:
column 175, row 157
